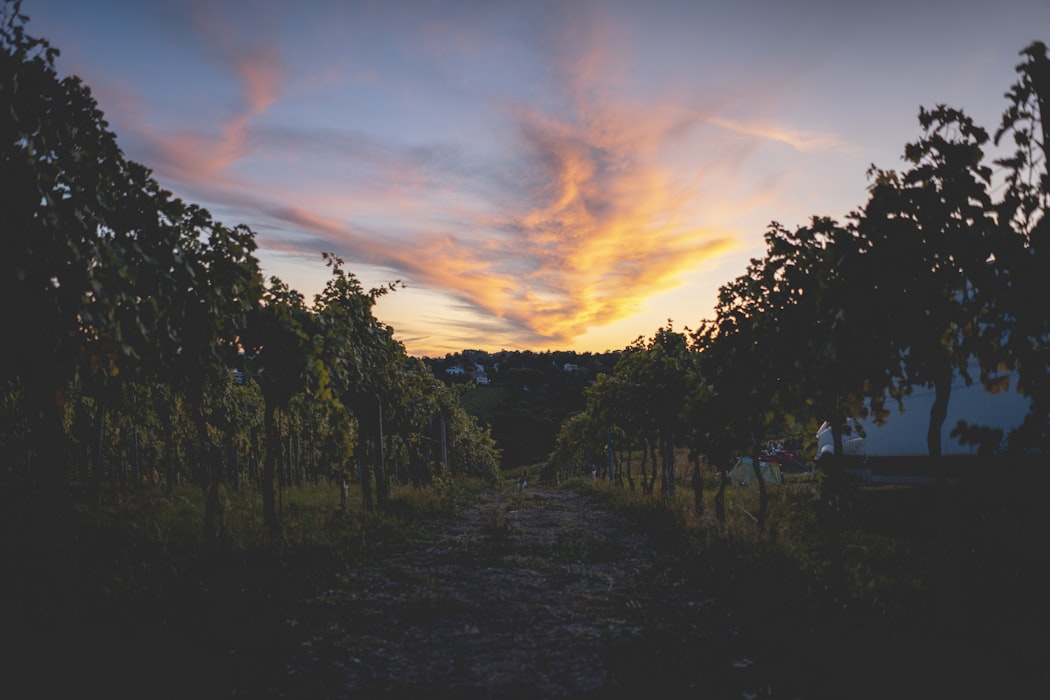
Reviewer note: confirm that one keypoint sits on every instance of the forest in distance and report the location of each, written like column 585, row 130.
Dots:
column 168, row 416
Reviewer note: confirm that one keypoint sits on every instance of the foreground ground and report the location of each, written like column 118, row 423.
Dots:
column 538, row 594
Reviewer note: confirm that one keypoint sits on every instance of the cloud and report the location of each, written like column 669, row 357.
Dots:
column 591, row 226
column 572, row 223
column 587, row 223
column 799, row 140
column 246, row 49
column 594, row 222
column 260, row 72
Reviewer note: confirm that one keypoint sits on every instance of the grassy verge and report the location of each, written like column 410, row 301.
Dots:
column 146, row 595
column 887, row 533
column 138, row 532
column 973, row 634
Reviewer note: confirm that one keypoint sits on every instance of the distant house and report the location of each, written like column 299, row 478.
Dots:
column 569, row 367
column 455, row 370
column 479, row 375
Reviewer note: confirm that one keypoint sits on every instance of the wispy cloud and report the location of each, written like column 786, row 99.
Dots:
column 248, row 51
column 798, row 139
column 588, row 226
column 605, row 224
column 572, row 224
column 549, row 167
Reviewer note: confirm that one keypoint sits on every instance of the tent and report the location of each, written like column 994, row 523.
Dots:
column 743, row 472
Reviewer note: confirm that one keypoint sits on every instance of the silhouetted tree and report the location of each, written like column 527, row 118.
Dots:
column 935, row 227
column 1024, row 325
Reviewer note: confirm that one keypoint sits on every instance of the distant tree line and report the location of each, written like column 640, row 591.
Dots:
column 527, row 395
column 144, row 345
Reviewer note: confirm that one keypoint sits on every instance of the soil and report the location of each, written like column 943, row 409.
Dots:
column 541, row 593
column 538, row 594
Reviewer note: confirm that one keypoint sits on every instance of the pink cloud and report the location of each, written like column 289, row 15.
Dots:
column 576, row 229
column 592, row 225
column 260, row 72
column 250, row 53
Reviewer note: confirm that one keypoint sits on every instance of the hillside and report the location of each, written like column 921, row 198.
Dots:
column 524, row 396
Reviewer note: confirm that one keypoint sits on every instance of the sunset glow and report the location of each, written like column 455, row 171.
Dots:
column 540, row 175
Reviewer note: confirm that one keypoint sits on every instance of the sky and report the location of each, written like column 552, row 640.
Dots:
column 539, row 175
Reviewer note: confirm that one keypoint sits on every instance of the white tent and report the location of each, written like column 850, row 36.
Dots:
column 743, row 472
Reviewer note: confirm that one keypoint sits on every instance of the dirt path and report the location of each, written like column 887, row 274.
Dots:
column 540, row 594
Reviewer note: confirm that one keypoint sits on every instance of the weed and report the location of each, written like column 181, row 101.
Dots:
column 883, row 570
column 496, row 526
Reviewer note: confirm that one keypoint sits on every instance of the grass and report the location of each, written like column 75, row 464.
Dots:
column 142, row 580
column 889, row 561
column 144, row 544
column 141, row 561
column 496, row 527
column 976, row 635
column 880, row 567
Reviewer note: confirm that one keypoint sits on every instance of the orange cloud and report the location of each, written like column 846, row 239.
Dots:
column 589, row 223
column 608, row 226
column 603, row 227
column 582, row 223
